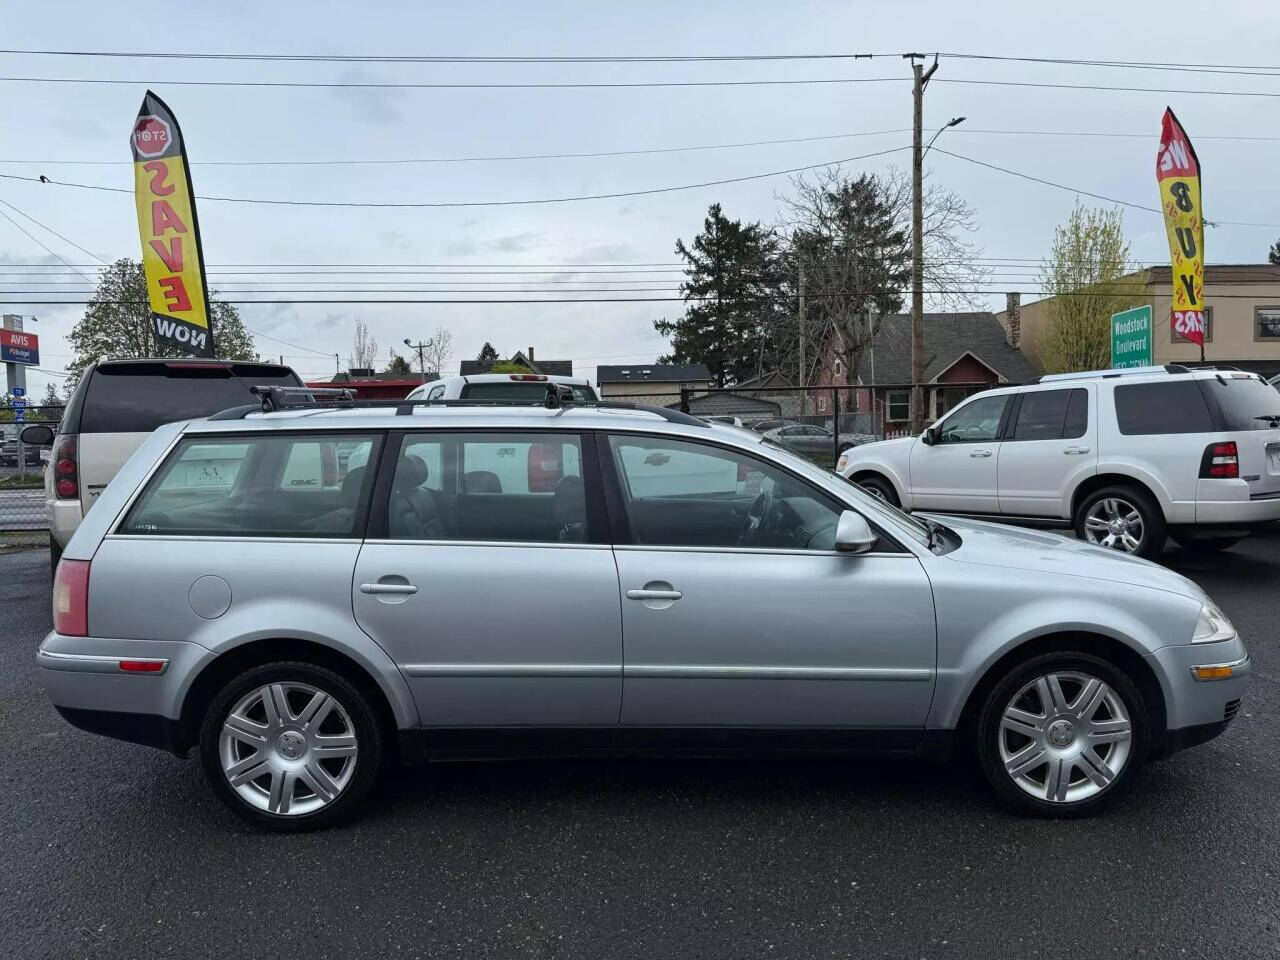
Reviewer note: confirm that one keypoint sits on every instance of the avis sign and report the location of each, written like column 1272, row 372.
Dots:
column 19, row 347
column 1131, row 338
column 172, row 261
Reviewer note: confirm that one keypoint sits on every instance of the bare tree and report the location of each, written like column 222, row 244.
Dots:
column 438, row 351
column 364, row 349
column 851, row 237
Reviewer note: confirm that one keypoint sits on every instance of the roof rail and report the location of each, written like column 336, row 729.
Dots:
column 1117, row 372
column 558, row 397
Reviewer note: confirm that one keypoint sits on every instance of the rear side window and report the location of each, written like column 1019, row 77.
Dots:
column 519, row 391
column 267, row 486
column 138, row 397
column 1052, row 415
column 1174, row 406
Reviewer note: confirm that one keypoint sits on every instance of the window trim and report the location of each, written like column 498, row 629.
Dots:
column 624, row 537
column 363, row 512
column 379, row 527
column 889, row 404
column 1257, row 326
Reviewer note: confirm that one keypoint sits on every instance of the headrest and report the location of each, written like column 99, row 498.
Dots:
column 411, row 471
column 483, row 481
column 351, row 484
column 569, row 500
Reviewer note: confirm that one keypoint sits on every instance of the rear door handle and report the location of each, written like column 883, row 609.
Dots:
column 388, row 588
column 654, row 594
column 1076, row 450
column 980, row 453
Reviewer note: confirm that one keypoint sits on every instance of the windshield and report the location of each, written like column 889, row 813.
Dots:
column 873, row 507
column 1243, row 400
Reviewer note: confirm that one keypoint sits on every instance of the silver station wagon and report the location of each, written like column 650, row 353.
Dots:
column 309, row 593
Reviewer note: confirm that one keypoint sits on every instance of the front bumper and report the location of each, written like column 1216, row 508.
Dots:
column 82, row 678
column 1199, row 710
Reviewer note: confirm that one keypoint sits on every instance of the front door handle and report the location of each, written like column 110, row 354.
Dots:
column 405, row 588
column 654, row 594
column 980, row 453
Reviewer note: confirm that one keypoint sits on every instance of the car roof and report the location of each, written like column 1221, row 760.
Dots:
column 1143, row 374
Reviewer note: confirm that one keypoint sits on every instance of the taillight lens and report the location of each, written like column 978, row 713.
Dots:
column 66, row 469
column 527, row 377
column 1221, row 461
column 71, row 598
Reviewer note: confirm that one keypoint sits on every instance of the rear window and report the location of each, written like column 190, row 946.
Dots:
column 1174, row 406
column 517, row 390
column 1242, row 400
column 138, row 397
column 265, row 486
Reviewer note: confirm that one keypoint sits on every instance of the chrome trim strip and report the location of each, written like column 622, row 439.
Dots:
column 504, row 670
column 530, row 544
column 92, row 663
column 703, row 672
column 645, row 548
column 1243, row 661
column 237, row 538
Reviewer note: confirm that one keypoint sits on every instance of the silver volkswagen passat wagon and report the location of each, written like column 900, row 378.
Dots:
column 306, row 595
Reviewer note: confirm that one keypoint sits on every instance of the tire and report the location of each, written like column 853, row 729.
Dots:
column 1151, row 531
column 55, row 554
column 1095, row 786
column 879, row 487
column 286, row 747
column 1206, row 544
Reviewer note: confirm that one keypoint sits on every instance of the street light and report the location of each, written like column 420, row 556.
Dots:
column 420, row 347
column 954, row 122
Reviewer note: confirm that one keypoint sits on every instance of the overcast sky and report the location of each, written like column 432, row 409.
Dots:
column 45, row 122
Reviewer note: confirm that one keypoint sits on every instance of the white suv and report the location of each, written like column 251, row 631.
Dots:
column 1126, row 457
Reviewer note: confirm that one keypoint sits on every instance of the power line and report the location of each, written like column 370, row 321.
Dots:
column 1106, row 87
column 370, row 85
column 37, row 240
column 434, row 204
column 49, row 229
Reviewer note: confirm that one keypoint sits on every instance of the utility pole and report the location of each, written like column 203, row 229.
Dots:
column 917, row 243
column 804, row 395
column 420, row 347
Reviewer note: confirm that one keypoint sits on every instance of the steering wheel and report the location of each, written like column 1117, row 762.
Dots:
column 756, row 516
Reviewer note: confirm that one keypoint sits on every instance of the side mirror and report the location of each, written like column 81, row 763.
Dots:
column 853, row 534
column 37, row 435
column 930, row 436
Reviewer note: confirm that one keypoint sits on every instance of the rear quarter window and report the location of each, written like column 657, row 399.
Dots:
column 1244, row 402
column 138, row 397
column 1174, row 406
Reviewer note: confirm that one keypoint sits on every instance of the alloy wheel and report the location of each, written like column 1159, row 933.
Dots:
column 1115, row 523
column 288, row 748
column 1065, row 737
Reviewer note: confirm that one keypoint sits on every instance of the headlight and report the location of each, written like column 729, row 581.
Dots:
column 842, row 463
column 1212, row 625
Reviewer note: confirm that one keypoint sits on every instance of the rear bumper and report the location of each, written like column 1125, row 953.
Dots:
column 1233, row 502
column 64, row 516
column 144, row 728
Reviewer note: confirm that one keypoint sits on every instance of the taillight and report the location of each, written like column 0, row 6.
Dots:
column 66, row 469
column 1220, row 461
column 71, row 598
column 528, row 376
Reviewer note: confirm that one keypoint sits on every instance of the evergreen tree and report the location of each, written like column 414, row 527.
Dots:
column 398, row 365
column 732, row 282
column 487, row 356
column 1273, row 255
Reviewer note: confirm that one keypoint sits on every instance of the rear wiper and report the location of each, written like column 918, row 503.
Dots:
column 1272, row 418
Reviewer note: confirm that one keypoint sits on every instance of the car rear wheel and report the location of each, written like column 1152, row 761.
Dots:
column 879, row 488
column 291, row 746
column 1062, row 735
column 1124, row 519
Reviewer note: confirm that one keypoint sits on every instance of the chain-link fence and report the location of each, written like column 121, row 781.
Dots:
column 22, row 467
column 817, row 422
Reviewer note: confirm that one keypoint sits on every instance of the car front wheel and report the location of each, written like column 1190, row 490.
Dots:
column 291, row 745
column 1062, row 735
column 879, row 488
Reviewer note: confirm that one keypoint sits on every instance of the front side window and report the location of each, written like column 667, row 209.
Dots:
column 517, row 487
column 976, row 422
column 264, row 486
column 695, row 495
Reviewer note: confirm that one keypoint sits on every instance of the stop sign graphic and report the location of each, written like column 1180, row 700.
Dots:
column 151, row 136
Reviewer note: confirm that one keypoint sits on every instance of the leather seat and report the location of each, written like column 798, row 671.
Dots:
column 570, row 504
column 414, row 513
column 339, row 521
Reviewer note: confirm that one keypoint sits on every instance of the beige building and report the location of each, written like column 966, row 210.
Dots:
column 1242, row 304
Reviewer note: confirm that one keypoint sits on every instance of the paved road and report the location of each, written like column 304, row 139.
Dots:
column 111, row 850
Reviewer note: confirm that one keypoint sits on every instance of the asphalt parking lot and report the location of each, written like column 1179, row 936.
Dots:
column 112, row 850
